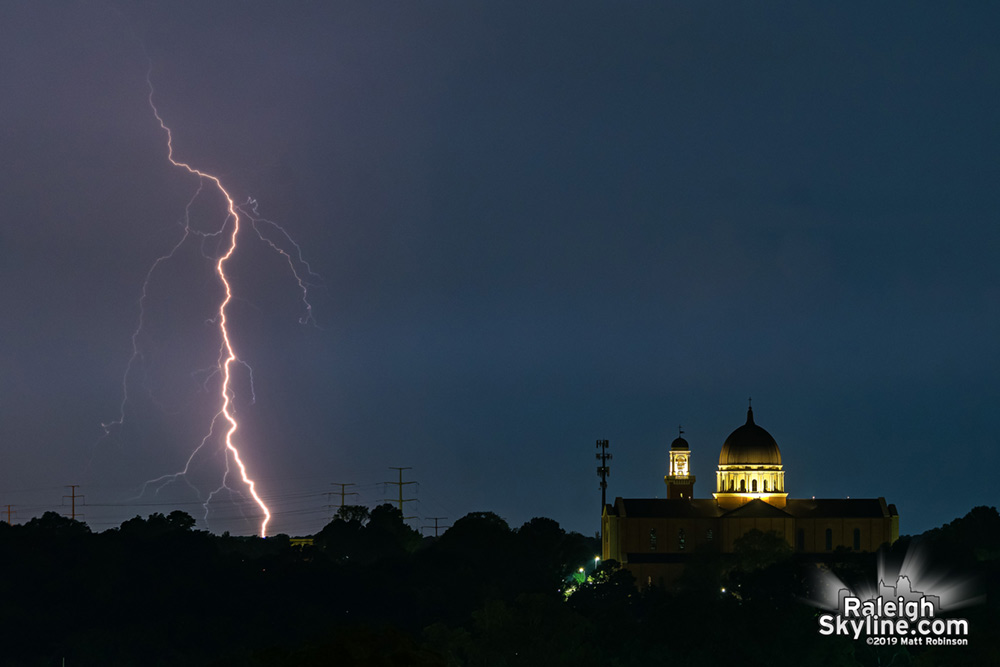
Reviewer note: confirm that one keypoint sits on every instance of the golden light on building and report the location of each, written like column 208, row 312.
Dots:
column 656, row 537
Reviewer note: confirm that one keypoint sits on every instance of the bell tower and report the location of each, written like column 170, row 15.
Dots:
column 679, row 480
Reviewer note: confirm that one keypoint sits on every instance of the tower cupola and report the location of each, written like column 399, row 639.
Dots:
column 679, row 480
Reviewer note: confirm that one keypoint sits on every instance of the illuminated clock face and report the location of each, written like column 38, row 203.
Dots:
column 681, row 465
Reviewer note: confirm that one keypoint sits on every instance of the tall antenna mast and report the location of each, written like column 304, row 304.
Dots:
column 603, row 470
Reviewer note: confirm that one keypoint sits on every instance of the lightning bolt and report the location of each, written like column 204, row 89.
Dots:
column 226, row 237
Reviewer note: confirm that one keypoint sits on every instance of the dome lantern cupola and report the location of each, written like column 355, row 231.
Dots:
column 750, row 444
column 750, row 467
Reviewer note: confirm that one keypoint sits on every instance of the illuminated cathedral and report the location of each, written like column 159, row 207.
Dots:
column 655, row 537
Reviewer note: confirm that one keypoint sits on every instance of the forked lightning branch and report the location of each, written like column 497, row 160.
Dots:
column 224, row 425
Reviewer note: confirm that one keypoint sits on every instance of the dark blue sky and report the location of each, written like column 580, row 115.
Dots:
column 537, row 225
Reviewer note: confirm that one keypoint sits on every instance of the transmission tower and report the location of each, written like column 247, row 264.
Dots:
column 343, row 493
column 603, row 470
column 435, row 519
column 72, row 490
column 399, row 501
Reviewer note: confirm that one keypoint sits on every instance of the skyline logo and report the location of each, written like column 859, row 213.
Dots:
column 907, row 613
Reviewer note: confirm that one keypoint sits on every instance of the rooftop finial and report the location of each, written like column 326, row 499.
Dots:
column 750, row 410
column 680, row 431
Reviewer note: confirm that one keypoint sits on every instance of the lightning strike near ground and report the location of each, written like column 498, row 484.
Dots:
column 235, row 219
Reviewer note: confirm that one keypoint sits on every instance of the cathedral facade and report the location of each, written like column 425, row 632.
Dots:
column 655, row 537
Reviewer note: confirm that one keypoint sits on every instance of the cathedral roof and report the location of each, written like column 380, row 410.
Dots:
column 757, row 509
column 821, row 508
column 664, row 507
column 750, row 444
column 704, row 508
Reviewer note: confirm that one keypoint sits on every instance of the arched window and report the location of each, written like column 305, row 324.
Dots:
column 652, row 539
column 857, row 539
column 829, row 539
column 765, row 486
column 743, row 486
column 753, row 486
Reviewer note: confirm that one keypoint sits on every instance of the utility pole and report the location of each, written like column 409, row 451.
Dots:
column 8, row 515
column 435, row 519
column 343, row 492
column 73, row 497
column 603, row 470
column 401, row 484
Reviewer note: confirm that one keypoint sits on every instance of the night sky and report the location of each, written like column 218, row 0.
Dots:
column 536, row 225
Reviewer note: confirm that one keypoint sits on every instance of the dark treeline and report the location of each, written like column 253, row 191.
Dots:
column 372, row 591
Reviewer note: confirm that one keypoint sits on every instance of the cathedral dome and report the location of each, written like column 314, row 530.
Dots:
column 748, row 445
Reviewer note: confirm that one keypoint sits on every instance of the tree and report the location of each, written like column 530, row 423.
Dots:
column 353, row 513
column 56, row 524
column 357, row 534
column 387, row 531
column 179, row 520
column 756, row 550
column 605, row 596
column 548, row 554
column 974, row 537
column 156, row 524
column 477, row 531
